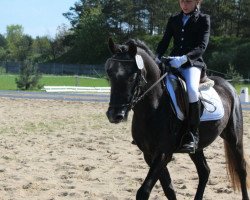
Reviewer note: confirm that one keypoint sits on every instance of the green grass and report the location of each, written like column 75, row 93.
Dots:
column 7, row 82
column 73, row 81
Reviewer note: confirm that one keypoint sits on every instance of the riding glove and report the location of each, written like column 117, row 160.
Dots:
column 177, row 61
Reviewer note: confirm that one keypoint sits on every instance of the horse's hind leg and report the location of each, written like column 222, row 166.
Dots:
column 203, row 172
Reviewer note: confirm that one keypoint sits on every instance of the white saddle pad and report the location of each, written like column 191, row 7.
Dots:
column 211, row 112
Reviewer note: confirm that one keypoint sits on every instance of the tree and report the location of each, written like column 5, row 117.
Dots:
column 3, row 48
column 233, row 75
column 94, row 21
column 127, row 18
column 3, row 41
column 243, row 18
column 229, row 18
column 89, row 44
column 18, row 44
column 242, row 58
column 61, row 43
column 41, row 49
column 75, row 13
column 28, row 77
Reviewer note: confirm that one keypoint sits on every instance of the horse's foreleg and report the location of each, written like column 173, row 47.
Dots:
column 154, row 173
column 203, row 171
column 166, row 183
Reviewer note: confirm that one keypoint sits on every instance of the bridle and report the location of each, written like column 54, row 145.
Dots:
column 137, row 86
column 138, row 93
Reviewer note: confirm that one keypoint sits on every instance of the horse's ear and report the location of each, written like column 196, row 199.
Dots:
column 112, row 46
column 132, row 48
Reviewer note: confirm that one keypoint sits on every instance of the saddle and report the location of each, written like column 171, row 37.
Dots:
column 179, row 88
column 211, row 104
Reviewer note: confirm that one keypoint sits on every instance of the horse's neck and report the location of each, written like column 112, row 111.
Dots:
column 157, row 98
column 152, row 74
column 153, row 98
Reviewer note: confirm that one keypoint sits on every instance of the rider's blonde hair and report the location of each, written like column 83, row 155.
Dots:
column 198, row 3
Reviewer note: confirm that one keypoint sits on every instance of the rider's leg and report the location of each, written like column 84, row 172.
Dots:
column 192, row 79
column 191, row 144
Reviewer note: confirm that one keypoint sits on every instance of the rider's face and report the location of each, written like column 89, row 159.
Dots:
column 188, row 6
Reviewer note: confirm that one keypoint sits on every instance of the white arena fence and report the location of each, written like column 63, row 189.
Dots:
column 76, row 89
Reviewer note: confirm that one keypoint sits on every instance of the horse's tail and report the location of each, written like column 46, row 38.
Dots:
column 233, row 164
column 237, row 162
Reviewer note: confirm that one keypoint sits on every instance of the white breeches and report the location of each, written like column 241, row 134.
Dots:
column 192, row 79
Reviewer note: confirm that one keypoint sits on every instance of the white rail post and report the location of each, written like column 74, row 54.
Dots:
column 244, row 94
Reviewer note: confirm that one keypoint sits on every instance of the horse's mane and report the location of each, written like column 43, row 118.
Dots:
column 141, row 45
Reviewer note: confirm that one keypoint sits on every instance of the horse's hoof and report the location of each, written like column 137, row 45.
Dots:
column 142, row 195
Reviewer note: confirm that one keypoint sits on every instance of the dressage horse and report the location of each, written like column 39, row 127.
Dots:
column 155, row 128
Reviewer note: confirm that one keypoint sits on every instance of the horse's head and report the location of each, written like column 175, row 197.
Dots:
column 125, row 71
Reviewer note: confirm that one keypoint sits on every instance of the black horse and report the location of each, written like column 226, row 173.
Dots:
column 155, row 127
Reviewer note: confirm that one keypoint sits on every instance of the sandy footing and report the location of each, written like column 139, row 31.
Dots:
column 54, row 150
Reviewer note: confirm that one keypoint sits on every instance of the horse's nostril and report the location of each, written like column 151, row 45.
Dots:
column 119, row 117
column 116, row 116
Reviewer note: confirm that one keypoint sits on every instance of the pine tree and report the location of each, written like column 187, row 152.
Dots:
column 233, row 75
column 28, row 77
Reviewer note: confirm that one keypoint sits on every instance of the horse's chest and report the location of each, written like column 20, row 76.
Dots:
column 147, row 140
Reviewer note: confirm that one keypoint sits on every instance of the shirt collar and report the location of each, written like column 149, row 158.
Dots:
column 195, row 12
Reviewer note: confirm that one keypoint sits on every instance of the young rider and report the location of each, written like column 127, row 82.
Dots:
column 190, row 30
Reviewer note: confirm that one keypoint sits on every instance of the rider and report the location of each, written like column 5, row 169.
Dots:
column 190, row 30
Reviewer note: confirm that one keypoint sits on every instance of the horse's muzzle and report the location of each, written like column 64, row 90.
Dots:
column 117, row 115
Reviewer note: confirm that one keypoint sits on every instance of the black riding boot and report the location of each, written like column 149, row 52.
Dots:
column 192, row 138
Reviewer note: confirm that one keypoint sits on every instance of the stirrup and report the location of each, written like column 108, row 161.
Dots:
column 188, row 149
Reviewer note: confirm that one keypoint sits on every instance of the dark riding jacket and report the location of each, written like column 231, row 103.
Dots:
column 190, row 40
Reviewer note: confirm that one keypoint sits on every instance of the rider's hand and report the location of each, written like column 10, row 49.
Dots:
column 157, row 60
column 177, row 61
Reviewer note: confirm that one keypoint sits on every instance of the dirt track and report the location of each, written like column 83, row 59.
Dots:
column 68, row 150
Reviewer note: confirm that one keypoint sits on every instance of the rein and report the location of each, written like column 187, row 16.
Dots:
column 148, row 90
